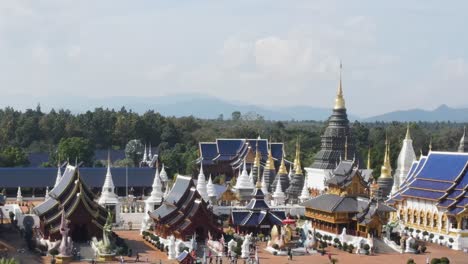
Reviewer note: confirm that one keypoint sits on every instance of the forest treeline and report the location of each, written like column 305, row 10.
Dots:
column 59, row 132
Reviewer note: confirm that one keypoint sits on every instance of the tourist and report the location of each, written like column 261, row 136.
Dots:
column 289, row 253
column 122, row 259
column 137, row 259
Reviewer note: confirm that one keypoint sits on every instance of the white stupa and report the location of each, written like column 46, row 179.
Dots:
column 278, row 196
column 156, row 195
column 211, row 189
column 305, row 194
column 201, row 184
column 404, row 163
column 163, row 175
column 47, row 193
column 244, row 185
column 108, row 197
column 264, row 186
column 19, row 196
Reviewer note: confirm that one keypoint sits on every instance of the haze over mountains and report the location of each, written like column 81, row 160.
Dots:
column 207, row 107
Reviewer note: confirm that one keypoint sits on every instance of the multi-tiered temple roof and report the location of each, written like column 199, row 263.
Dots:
column 86, row 216
column 184, row 212
column 440, row 177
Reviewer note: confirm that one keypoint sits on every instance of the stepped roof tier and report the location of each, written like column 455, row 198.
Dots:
column 257, row 216
column 343, row 175
column 440, row 177
column 405, row 161
column 297, row 179
column 337, row 142
column 86, row 216
column 184, row 212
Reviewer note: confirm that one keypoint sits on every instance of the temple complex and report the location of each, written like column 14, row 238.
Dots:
column 72, row 195
column 184, row 212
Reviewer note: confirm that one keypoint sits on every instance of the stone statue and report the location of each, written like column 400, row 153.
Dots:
column 232, row 248
column 343, row 236
column 245, row 252
column 66, row 245
column 172, row 247
column 105, row 247
column 410, row 245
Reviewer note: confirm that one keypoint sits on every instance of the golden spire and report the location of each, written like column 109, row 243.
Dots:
column 346, row 148
column 282, row 169
column 408, row 136
column 270, row 162
column 257, row 156
column 368, row 159
column 386, row 170
column 297, row 161
column 339, row 100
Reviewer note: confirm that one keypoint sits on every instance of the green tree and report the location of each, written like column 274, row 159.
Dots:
column 76, row 148
column 236, row 115
column 13, row 157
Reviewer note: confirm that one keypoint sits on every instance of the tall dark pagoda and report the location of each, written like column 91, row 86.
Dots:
column 337, row 142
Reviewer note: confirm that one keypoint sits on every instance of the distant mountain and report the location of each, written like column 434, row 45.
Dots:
column 200, row 106
column 441, row 113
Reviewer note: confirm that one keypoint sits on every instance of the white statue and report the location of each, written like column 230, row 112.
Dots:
column 172, row 248
column 245, row 252
column 232, row 247
column 66, row 245
column 343, row 236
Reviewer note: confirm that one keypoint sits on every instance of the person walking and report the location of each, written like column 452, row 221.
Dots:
column 137, row 259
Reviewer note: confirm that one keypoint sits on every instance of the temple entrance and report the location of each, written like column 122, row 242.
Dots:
column 80, row 233
column 200, row 234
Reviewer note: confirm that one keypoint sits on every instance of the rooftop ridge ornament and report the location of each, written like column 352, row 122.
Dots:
column 408, row 135
column 297, row 164
column 339, row 100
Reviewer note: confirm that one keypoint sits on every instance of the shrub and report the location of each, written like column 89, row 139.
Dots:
column 53, row 252
column 275, row 246
column 366, row 247
column 444, row 260
column 431, row 236
column 451, row 240
column 425, row 233
column 410, row 261
column 336, row 240
column 261, row 236
column 441, row 237
column 406, row 228
column 435, row 261
column 275, row 253
column 423, row 249
column 411, row 230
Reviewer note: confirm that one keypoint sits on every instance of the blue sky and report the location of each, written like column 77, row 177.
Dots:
column 396, row 54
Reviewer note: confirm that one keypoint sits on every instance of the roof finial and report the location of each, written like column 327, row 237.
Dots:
column 297, row 164
column 430, row 144
column 408, row 135
column 346, row 148
column 257, row 156
column 339, row 101
column 368, row 158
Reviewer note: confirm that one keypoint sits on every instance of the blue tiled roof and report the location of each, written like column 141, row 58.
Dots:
column 431, row 185
column 277, row 150
column 454, row 194
column 208, row 150
column 446, row 202
column 455, row 210
column 229, row 146
column 442, row 166
column 423, row 194
column 239, row 216
column 93, row 177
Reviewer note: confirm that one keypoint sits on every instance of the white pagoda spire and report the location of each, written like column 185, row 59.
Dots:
column 290, row 174
column 47, row 193
column 59, row 175
column 305, row 194
column 163, row 174
column 264, row 186
column 278, row 196
column 243, row 181
column 210, row 188
column 145, row 156
column 19, row 196
column 156, row 192
column 108, row 195
column 201, row 184
column 251, row 178
column 150, row 155
column 405, row 160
